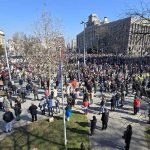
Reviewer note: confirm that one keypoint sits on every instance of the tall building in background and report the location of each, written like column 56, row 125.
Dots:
column 126, row 36
column 73, row 44
column 2, row 44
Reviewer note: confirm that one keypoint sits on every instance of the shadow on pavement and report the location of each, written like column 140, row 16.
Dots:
column 132, row 120
column 83, row 124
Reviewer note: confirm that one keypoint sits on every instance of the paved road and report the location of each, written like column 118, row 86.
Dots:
column 110, row 139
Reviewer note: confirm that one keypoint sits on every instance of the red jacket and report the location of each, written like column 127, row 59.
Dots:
column 137, row 102
column 86, row 104
column 46, row 93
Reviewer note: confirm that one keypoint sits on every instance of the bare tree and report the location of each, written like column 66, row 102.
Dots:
column 142, row 35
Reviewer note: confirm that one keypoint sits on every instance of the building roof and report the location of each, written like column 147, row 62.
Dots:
column 2, row 33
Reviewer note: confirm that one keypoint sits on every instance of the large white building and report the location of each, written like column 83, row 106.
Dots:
column 126, row 36
column 2, row 35
column 2, row 44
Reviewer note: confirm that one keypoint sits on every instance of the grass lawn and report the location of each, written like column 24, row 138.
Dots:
column 147, row 134
column 49, row 136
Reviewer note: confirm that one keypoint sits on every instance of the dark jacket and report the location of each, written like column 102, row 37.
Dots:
column 17, row 110
column 20, row 81
column 113, row 101
column 105, row 117
column 33, row 109
column 8, row 116
column 93, row 123
column 127, row 135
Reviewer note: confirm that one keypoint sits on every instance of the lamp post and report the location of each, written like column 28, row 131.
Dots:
column 84, row 41
column 7, row 61
column 61, row 73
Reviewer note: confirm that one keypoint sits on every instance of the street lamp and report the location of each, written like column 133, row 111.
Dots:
column 7, row 61
column 84, row 40
column 61, row 75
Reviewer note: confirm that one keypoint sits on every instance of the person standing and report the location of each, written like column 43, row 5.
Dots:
column 93, row 125
column 113, row 103
column 35, row 92
column 50, row 105
column 55, row 93
column 1, row 103
column 42, row 105
column 20, row 82
column 57, row 103
column 8, row 118
column 102, row 105
column 149, row 113
column 117, row 99
column 136, row 105
column 6, row 103
column 127, row 137
column 33, row 112
column 17, row 110
column 104, row 119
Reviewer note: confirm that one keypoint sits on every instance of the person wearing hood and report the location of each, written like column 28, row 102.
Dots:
column 127, row 137
column 93, row 125
column 104, row 119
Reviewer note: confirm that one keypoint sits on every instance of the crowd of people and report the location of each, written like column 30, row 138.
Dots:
column 118, row 78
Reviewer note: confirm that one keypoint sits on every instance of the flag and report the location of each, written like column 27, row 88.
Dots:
column 61, row 58
column 59, row 72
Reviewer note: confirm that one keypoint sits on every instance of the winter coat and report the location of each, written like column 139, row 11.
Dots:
column 33, row 109
column 127, row 136
column 85, row 103
column 113, row 101
column 8, row 116
column 50, row 103
column 68, row 111
column 93, row 123
column 42, row 104
column 105, row 117
column 20, row 82
column 17, row 110
column 137, row 103
column 46, row 93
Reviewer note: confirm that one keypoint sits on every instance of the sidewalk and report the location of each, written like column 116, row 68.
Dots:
column 111, row 139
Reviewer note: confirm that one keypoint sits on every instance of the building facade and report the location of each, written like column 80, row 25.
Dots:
column 73, row 44
column 2, row 35
column 2, row 44
column 128, row 36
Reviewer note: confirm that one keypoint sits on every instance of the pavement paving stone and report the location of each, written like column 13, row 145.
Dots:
column 110, row 139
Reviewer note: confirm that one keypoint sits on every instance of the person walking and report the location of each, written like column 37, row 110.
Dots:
column 104, row 119
column 93, row 125
column 68, row 112
column 8, row 118
column 33, row 112
column 127, row 137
